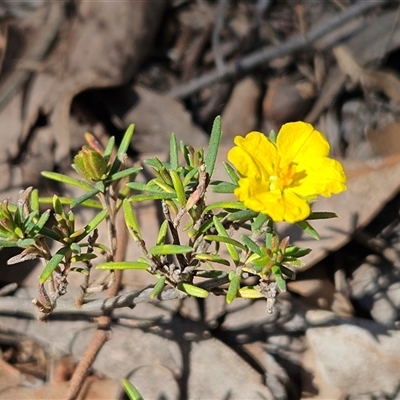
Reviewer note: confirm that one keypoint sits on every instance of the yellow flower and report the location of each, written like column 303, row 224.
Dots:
column 281, row 179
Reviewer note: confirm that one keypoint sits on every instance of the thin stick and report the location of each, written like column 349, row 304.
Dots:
column 269, row 53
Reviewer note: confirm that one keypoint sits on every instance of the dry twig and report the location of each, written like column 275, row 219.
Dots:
column 268, row 53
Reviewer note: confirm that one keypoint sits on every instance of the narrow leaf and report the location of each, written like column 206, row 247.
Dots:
column 126, row 141
column 215, row 139
column 259, row 222
column 178, row 186
column 253, row 246
column 226, row 240
column 131, row 391
column 162, row 233
column 249, row 292
column 69, row 200
column 85, row 197
column 233, row 288
column 152, row 196
column 212, row 258
column 232, row 173
column 193, row 290
column 224, row 187
column 158, row 287
column 53, row 264
column 55, row 176
column 307, row 228
column 167, row 249
column 173, row 152
column 123, row 265
column 321, row 215
column 124, row 173
column 242, row 215
column 130, row 218
column 231, row 248
column 109, row 148
column 280, row 281
column 229, row 205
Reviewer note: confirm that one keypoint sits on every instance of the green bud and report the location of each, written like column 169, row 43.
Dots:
column 90, row 164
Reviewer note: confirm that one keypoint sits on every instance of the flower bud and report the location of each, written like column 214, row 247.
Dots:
column 90, row 164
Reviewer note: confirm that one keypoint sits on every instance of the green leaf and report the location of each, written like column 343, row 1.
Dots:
column 161, row 184
column 58, row 208
column 154, row 162
column 109, row 148
column 122, row 149
column 123, row 265
column 213, row 274
column 137, row 186
column 233, row 288
column 85, row 197
column 69, row 200
column 75, row 248
column 223, row 187
column 92, row 225
column 126, row 141
column 193, row 290
column 158, row 287
column 259, row 222
column 13, row 243
column 35, row 200
column 41, row 222
column 162, row 233
column 173, row 152
column 215, row 139
column 49, row 233
column 307, row 228
column 288, row 272
column 272, row 136
column 131, row 391
column 230, row 247
column 178, row 186
column 242, row 215
column 249, row 292
column 232, row 173
column 229, row 205
column 152, row 196
column 83, row 257
column 167, row 249
column 185, row 152
column 226, row 240
column 211, row 258
column 53, row 264
column 280, row 281
column 67, row 180
column 130, row 218
column 321, row 215
column 294, row 251
column 189, row 176
column 253, row 246
column 124, row 173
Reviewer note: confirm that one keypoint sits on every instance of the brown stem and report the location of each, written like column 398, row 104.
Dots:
column 103, row 332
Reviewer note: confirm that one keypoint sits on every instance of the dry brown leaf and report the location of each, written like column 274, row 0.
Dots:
column 386, row 82
column 385, row 140
column 102, row 46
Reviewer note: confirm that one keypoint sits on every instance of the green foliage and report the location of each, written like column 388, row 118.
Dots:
column 195, row 240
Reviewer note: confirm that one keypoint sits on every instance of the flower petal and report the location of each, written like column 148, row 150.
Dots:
column 298, row 141
column 286, row 206
column 323, row 176
column 295, row 208
column 253, row 155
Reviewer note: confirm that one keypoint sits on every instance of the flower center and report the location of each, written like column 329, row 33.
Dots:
column 283, row 176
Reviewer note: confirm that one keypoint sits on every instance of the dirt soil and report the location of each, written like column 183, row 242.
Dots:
column 75, row 66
